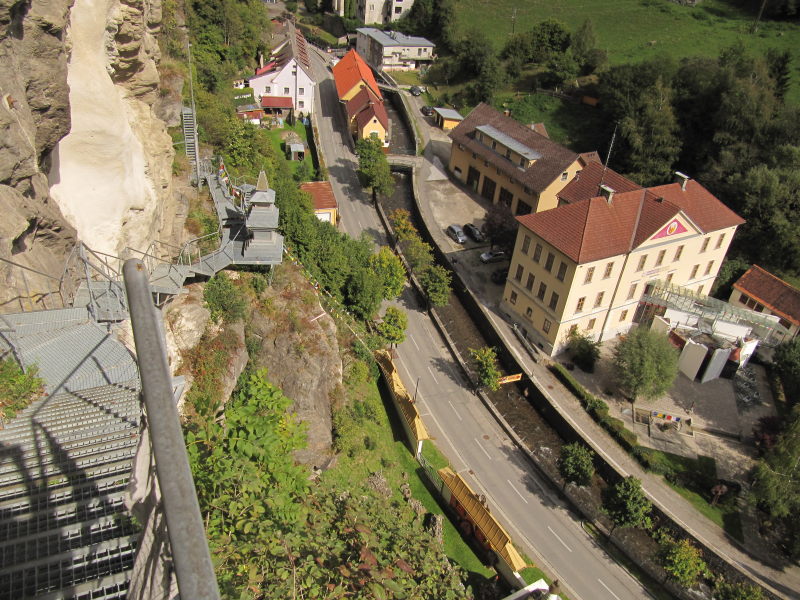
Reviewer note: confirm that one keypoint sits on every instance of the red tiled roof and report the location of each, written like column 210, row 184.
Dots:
column 375, row 110
column 349, row 71
column 779, row 296
column 586, row 183
column 540, row 129
column 321, row 194
column 592, row 228
column 555, row 158
column 266, row 68
column 360, row 101
column 276, row 102
column 589, row 157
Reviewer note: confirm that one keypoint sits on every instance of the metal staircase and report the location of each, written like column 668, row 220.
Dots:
column 190, row 139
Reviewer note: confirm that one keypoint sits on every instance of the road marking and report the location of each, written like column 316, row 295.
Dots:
column 559, row 539
column 411, row 337
column 436, row 381
column 516, row 490
column 482, row 448
column 454, row 410
column 600, row 581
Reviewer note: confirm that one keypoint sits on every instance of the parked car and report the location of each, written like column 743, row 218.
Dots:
column 415, row 90
column 493, row 256
column 499, row 276
column 427, row 111
column 456, row 233
column 475, row 233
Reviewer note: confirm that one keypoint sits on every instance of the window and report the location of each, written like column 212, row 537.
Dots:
column 529, row 283
column 599, row 300
column 642, row 262
column 669, row 277
column 518, row 274
column 694, row 272
column 301, row 104
column 743, row 298
column 564, row 176
column 623, row 315
column 720, row 239
column 285, row 90
column 526, row 244
column 609, row 268
column 784, row 323
column 590, row 326
column 529, row 312
column 301, row 91
column 660, row 258
column 709, row 267
column 542, row 291
column 553, row 301
column 268, row 89
column 581, row 302
column 546, row 326
column 562, row 271
column 705, row 245
column 513, row 298
column 589, row 275
column 537, row 252
column 678, row 253
column 548, row 264
column 631, row 291
column 397, row 11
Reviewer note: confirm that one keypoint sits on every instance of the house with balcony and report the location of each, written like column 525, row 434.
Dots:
column 392, row 50
column 585, row 264
column 510, row 163
column 763, row 292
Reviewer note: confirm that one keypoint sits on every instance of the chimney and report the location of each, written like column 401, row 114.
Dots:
column 682, row 179
column 606, row 192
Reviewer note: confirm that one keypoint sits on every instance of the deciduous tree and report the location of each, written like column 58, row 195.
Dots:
column 484, row 361
column 682, row 560
column 393, row 326
column 388, row 267
column 737, row 591
column 435, row 281
column 364, row 292
column 576, row 464
column 645, row 364
column 626, row 504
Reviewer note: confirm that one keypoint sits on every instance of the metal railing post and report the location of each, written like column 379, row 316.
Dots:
column 193, row 569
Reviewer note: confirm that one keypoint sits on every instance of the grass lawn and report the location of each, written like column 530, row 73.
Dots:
column 390, row 455
column 276, row 139
column 406, row 77
column 634, row 30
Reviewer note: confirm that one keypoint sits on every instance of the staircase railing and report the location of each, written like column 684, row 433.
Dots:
column 187, row 545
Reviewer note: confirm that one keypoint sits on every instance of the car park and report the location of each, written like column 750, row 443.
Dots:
column 493, row 256
column 456, row 233
column 475, row 233
column 499, row 276
column 427, row 111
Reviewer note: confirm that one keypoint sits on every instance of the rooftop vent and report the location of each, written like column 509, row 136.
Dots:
column 606, row 192
column 682, row 179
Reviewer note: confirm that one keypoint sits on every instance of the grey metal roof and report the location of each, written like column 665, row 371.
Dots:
column 394, row 38
column 260, row 197
column 263, row 218
column 296, row 148
column 509, row 142
column 449, row 113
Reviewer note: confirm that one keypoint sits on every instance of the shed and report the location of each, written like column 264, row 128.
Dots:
column 296, row 151
column 446, row 118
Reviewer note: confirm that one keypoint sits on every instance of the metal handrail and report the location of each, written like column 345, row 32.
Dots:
column 193, row 569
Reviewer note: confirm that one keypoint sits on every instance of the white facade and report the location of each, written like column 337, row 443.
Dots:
column 381, row 11
column 393, row 51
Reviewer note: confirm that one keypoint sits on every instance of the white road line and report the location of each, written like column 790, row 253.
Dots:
column 482, row 448
column 516, row 490
column 411, row 337
column 454, row 410
column 600, row 581
column 436, row 381
column 559, row 539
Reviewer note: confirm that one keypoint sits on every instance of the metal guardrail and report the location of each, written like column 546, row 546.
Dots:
column 189, row 547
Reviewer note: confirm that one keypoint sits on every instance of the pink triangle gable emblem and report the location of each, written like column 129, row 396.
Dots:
column 672, row 228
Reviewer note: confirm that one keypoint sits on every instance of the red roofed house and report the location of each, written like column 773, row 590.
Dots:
column 763, row 292
column 367, row 116
column 325, row 206
column 351, row 74
column 287, row 74
column 586, row 263
column 511, row 163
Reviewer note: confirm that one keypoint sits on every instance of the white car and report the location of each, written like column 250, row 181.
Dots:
column 493, row 256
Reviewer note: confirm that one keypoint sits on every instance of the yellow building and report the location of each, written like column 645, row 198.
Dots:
column 367, row 117
column 508, row 162
column 447, row 118
column 323, row 200
column 586, row 263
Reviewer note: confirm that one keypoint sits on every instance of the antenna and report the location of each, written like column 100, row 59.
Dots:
column 513, row 20
column 608, row 156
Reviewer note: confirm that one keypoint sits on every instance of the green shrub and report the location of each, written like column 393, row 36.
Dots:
column 653, row 460
column 17, row 388
column 224, row 299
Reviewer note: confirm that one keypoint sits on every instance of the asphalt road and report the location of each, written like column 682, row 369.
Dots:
column 463, row 429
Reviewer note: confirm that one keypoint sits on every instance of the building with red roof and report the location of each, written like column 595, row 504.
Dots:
column 323, row 200
column 763, row 292
column 586, row 263
column 351, row 74
column 367, row 116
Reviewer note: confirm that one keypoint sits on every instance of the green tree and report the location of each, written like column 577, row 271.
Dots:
column 491, row 78
column 401, row 222
column 737, row 591
column 584, row 350
column 564, row 68
column 682, row 561
column 776, row 480
column 419, row 254
column 373, row 168
column 393, row 326
column 436, row 282
column 484, row 361
column 224, row 299
column 626, row 504
column 576, row 464
column 786, row 359
column 363, row 293
column 645, row 364
column 548, row 37
column 584, row 40
column 388, row 267
column 305, row 171
column 500, row 227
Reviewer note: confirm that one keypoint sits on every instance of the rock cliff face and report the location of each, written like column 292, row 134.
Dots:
column 34, row 116
column 111, row 175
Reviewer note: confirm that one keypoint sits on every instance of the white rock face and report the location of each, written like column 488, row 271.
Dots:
column 111, row 174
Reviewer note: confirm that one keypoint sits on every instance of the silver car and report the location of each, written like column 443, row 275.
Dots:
column 456, row 233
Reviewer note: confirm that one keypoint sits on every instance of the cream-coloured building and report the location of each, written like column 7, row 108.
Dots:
column 586, row 263
column 392, row 50
column 510, row 163
column 763, row 292
column 381, row 11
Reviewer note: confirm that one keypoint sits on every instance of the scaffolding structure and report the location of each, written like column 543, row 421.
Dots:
column 660, row 295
